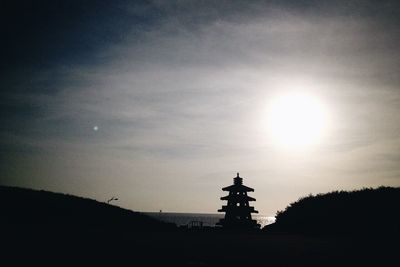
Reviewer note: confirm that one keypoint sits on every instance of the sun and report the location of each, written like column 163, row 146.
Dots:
column 296, row 120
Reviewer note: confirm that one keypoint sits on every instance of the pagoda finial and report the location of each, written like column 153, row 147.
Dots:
column 237, row 179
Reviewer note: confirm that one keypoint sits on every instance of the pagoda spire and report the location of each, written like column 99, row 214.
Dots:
column 238, row 211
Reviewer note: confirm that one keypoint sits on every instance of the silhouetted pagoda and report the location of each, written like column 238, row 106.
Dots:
column 238, row 211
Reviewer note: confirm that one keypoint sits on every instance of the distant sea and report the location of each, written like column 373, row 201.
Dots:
column 210, row 219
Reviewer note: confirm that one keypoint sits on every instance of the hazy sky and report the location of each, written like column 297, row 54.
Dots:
column 160, row 103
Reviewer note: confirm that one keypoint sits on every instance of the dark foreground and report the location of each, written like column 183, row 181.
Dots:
column 41, row 228
column 194, row 248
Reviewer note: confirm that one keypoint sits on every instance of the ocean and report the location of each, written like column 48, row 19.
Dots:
column 181, row 219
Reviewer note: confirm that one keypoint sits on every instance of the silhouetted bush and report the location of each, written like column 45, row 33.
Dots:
column 340, row 212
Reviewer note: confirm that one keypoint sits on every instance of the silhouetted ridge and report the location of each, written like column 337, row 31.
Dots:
column 20, row 206
column 362, row 211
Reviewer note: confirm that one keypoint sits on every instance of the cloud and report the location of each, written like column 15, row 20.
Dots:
column 180, row 93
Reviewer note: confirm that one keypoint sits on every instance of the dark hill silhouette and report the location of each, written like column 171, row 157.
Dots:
column 42, row 228
column 26, row 207
column 357, row 212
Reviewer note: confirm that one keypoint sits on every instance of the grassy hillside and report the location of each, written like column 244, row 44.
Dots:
column 23, row 207
column 43, row 228
column 363, row 211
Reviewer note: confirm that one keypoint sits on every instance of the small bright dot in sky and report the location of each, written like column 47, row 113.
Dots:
column 96, row 128
column 296, row 120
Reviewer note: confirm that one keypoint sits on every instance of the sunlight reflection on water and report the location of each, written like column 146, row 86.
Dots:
column 207, row 219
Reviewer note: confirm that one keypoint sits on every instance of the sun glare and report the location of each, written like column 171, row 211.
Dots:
column 296, row 120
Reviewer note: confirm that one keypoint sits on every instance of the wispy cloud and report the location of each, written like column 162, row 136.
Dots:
column 180, row 95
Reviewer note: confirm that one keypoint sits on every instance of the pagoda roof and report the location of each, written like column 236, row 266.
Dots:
column 238, row 209
column 238, row 188
column 238, row 197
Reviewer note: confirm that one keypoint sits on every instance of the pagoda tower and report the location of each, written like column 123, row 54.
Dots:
column 238, row 211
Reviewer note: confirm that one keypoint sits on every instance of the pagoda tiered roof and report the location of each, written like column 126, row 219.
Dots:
column 238, row 209
column 238, row 188
column 238, row 198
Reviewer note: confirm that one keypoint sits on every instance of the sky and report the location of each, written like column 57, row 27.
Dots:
column 160, row 103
